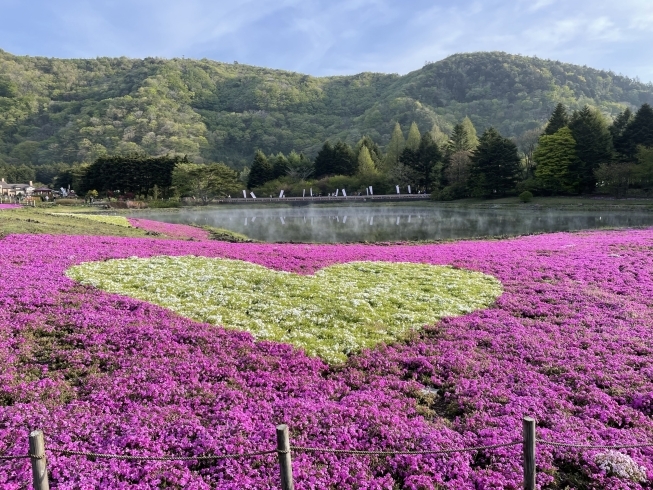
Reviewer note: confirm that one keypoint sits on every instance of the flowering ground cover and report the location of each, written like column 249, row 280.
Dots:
column 569, row 342
column 182, row 232
column 111, row 220
column 332, row 313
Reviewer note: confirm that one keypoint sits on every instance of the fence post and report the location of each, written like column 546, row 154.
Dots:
column 283, row 452
column 37, row 455
column 529, row 453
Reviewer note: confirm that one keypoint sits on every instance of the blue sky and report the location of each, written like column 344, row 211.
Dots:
column 332, row 37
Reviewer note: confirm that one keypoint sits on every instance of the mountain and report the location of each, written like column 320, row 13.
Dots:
column 74, row 110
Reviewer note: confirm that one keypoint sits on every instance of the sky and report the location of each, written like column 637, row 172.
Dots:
column 335, row 37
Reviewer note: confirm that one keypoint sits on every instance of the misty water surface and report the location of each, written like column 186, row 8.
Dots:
column 382, row 222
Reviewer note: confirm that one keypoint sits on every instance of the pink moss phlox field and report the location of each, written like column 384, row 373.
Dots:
column 569, row 343
column 181, row 232
column 10, row 206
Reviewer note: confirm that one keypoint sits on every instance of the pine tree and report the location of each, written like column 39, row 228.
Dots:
column 555, row 156
column 344, row 159
column 414, row 136
column 495, row 165
column 366, row 167
column 279, row 165
column 559, row 119
column 472, row 137
column 395, row 147
column 260, row 172
column 439, row 137
column 460, row 140
column 593, row 147
column 373, row 148
column 639, row 131
column 324, row 161
column 619, row 125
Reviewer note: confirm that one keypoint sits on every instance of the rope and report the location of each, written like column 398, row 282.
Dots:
column 67, row 452
column 592, row 446
column 393, row 453
column 15, row 457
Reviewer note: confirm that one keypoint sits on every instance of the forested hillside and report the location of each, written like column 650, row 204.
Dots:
column 54, row 110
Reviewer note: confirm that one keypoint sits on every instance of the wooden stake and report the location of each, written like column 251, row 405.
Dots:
column 285, row 464
column 39, row 467
column 529, row 453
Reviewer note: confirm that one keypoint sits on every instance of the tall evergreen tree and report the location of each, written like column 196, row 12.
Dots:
column 619, row 125
column 324, row 161
column 495, row 165
column 555, row 156
column 344, row 159
column 414, row 136
column 593, row 147
column 429, row 163
column 260, row 172
column 472, row 136
column 639, row 131
column 559, row 119
column 441, row 139
column 366, row 166
column 460, row 140
column 375, row 152
column 279, row 165
column 395, row 147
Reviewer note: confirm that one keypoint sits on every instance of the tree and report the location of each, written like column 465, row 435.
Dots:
column 206, row 182
column 425, row 161
column 299, row 167
column 495, row 165
column 639, row 131
column 643, row 171
column 279, row 165
column 366, row 167
column 614, row 178
column 555, row 156
column 619, row 125
column 413, row 139
column 260, row 172
column 459, row 140
column 457, row 172
column 324, row 161
column 593, row 147
column 372, row 147
column 472, row 137
column 527, row 144
column 394, row 149
column 441, row 139
column 557, row 121
column 344, row 160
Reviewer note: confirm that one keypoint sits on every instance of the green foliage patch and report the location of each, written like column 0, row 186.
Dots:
column 339, row 310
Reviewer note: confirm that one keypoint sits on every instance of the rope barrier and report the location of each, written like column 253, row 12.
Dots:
column 591, row 446
column 15, row 457
column 398, row 453
column 67, row 452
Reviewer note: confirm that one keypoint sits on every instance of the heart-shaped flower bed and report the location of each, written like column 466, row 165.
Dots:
column 338, row 310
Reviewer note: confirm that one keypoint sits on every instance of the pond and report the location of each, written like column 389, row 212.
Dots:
column 320, row 223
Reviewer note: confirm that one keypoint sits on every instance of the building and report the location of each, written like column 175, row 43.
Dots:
column 14, row 191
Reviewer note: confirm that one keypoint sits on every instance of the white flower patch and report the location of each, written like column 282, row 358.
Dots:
column 620, row 465
column 339, row 310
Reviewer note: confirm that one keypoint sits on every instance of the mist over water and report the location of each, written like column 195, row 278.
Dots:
column 317, row 223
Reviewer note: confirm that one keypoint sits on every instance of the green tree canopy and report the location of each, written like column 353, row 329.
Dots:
column 395, row 147
column 413, row 138
column 472, row 137
column 260, row 171
column 324, row 164
column 638, row 132
column 593, row 147
column 558, row 120
column 279, row 165
column 344, row 159
column 555, row 156
column 425, row 162
column 495, row 165
column 366, row 166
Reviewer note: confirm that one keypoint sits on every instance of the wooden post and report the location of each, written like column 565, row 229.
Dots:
column 529, row 453
column 283, row 451
column 37, row 455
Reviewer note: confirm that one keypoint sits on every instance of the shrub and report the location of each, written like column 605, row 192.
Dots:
column 526, row 196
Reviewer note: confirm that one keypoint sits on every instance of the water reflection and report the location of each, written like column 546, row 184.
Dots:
column 373, row 223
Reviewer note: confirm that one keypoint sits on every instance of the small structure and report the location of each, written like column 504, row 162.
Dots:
column 15, row 191
column 42, row 191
